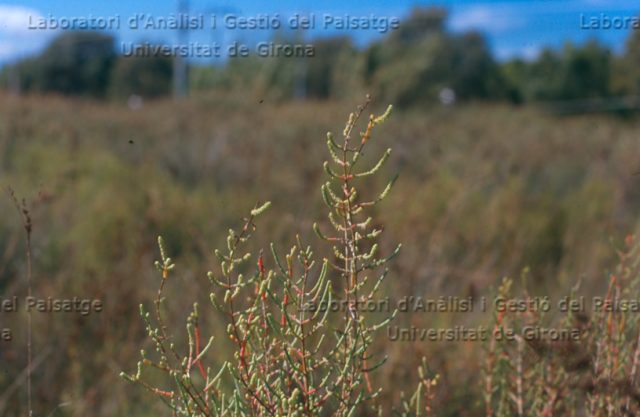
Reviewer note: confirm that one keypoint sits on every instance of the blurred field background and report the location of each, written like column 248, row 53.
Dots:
column 487, row 186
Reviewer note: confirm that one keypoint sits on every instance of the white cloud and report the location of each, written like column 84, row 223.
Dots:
column 484, row 18
column 526, row 53
column 16, row 39
column 14, row 20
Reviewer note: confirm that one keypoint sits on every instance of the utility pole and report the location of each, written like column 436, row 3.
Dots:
column 220, row 12
column 180, row 63
column 302, row 69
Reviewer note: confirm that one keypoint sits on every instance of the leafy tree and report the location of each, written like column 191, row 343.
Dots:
column 148, row 77
column 329, row 74
column 541, row 77
column 573, row 73
column 474, row 73
column 585, row 72
column 625, row 77
column 73, row 63
column 416, row 62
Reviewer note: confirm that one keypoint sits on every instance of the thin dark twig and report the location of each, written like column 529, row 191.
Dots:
column 26, row 222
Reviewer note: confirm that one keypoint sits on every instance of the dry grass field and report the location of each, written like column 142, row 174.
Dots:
column 484, row 191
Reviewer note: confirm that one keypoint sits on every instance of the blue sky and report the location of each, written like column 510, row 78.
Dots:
column 513, row 28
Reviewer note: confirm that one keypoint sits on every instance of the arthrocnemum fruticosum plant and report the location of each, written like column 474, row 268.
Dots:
column 584, row 366
column 286, row 363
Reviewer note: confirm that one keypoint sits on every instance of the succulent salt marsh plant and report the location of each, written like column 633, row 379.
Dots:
column 293, row 357
column 585, row 365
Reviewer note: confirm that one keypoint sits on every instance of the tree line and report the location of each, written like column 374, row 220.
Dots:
column 412, row 65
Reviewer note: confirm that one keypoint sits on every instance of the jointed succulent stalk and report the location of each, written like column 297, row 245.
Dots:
column 594, row 374
column 355, row 334
column 285, row 364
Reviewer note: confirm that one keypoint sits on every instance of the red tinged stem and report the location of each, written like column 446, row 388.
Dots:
column 204, row 374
